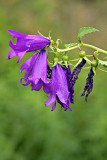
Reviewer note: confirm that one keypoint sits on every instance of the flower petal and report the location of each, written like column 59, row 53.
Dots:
column 58, row 87
column 24, row 84
column 53, row 106
column 27, row 66
column 39, row 69
column 15, row 34
column 13, row 53
column 47, row 87
column 52, row 99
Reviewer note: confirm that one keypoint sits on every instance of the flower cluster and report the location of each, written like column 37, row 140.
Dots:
column 57, row 81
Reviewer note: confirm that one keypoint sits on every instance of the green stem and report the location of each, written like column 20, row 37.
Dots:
column 88, row 61
column 82, row 45
column 67, row 49
column 78, row 63
column 93, row 47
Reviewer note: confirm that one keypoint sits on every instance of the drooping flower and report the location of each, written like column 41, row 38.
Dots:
column 89, row 84
column 35, row 71
column 76, row 71
column 58, row 88
column 26, row 43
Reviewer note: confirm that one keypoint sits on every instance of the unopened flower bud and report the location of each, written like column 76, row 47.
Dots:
column 65, row 58
column 82, row 54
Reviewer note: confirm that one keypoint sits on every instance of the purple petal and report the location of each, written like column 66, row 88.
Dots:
column 36, row 85
column 24, row 84
column 35, row 71
column 67, row 72
column 39, row 69
column 61, row 84
column 47, row 87
column 13, row 53
column 57, row 87
column 15, row 34
column 52, row 99
column 64, row 105
column 27, row 66
column 53, row 106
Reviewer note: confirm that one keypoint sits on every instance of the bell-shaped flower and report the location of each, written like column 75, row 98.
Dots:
column 35, row 71
column 58, row 88
column 26, row 43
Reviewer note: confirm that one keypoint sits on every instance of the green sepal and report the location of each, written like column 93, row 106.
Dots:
column 85, row 30
column 57, row 42
column 56, row 60
column 42, row 34
column 66, row 63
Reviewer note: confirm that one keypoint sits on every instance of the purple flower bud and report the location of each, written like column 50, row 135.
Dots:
column 26, row 43
column 89, row 84
column 76, row 71
column 35, row 71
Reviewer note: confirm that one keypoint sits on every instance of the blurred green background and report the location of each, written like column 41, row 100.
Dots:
column 28, row 129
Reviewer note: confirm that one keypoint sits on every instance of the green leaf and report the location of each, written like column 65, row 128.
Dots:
column 70, row 45
column 103, row 63
column 85, row 30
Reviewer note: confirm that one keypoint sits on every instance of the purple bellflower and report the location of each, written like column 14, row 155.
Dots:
column 89, row 84
column 76, row 71
column 26, row 43
column 58, row 89
column 35, row 71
